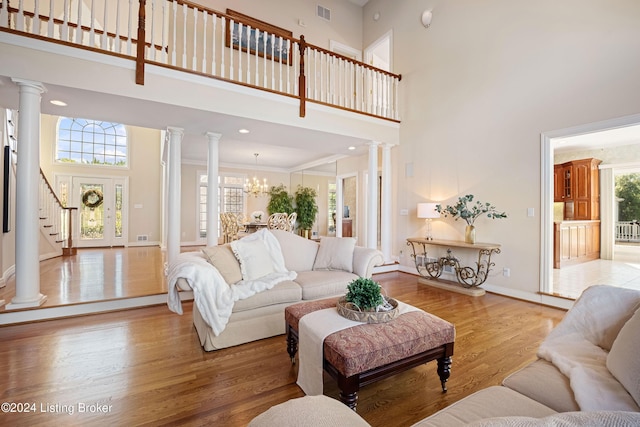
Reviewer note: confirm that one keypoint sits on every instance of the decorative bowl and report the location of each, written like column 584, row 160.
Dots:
column 352, row 312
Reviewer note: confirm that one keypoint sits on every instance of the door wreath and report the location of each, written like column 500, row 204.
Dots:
column 92, row 198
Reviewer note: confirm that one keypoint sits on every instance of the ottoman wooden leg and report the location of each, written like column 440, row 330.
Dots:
column 349, row 390
column 292, row 344
column 444, row 371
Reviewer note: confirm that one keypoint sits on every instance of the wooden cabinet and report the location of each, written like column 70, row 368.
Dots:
column 577, row 184
column 347, row 227
column 575, row 242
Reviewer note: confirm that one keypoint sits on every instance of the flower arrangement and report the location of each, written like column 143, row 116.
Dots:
column 470, row 213
column 256, row 216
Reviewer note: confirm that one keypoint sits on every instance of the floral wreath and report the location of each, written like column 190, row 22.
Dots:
column 92, row 198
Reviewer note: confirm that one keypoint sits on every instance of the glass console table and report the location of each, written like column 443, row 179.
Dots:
column 468, row 277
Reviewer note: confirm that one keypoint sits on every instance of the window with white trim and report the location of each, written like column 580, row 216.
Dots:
column 231, row 198
column 91, row 142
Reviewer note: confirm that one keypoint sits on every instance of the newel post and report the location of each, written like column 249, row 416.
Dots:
column 140, row 45
column 302, row 80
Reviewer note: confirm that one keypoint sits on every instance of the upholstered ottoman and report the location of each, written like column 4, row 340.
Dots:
column 365, row 353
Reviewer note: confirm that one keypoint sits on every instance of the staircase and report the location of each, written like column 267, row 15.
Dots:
column 56, row 220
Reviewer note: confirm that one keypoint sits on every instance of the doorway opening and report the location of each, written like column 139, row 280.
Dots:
column 587, row 140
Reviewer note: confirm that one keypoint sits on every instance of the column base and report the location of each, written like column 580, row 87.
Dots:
column 26, row 304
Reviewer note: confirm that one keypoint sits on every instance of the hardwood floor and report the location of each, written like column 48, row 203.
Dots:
column 146, row 365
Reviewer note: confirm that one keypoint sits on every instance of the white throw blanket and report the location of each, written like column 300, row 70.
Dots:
column 212, row 295
column 313, row 328
column 574, row 348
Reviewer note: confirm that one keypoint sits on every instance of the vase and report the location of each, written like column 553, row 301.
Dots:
column 470, row 234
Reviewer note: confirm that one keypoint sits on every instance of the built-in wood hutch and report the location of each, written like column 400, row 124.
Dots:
column 577, row 234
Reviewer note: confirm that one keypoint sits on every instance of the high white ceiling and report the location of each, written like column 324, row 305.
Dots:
column 604, row 139
column 359, row 2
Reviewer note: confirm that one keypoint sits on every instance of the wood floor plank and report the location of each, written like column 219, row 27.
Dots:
column 147, row 367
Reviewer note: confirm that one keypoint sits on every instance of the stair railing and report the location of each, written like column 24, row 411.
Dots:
column 58, row 218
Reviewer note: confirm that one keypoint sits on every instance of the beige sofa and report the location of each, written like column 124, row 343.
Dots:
column 596, row 345
column 323, row 269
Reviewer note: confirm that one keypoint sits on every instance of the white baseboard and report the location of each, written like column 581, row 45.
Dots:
column 145, row 243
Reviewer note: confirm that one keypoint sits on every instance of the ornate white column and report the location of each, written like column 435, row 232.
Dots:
column 372, row 197
column 212, row 188
column 175, row 201
column 386, row 216
column 27, row 197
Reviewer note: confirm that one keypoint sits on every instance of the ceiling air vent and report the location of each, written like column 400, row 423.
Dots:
column 324, row 13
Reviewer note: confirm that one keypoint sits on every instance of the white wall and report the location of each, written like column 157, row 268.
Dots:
column 480, row 86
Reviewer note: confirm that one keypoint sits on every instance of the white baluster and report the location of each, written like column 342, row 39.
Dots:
column 105, row 26
column 117, row 39
column 273, row 56
column 257, row 70
column 173, row 45
column 184, row 35
column 223, row 23
column 4, row 15
column 314, row 79
column 64, row 30
column 50, row 22
column 165, row 32
column 395, row 95
column 152, row 39
column 204, row 41
column 264, row 49
column 20, row 18
column 79, row 23
column 130, row 27
column 280, row 41
column 289, row 58
column 214, row 19
column 231, row 50
column 248, row 27
column 36, row 18
column 240, row 51
column 194, row 65
column 92, row 29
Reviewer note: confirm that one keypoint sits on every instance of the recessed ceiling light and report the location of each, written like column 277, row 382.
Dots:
column 58, row 103
column 352, row 148
column 244, row 131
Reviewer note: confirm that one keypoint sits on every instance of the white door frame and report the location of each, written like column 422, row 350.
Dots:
column 546, row 186
column 75, row 202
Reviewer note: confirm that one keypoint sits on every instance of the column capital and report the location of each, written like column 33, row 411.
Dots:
column 30, row 83
column 213, row 136
column 175, row 130
column 372, row 143
column 387, row 145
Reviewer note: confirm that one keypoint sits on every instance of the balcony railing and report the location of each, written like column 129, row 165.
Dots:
column 628, row 231
column 228, row 46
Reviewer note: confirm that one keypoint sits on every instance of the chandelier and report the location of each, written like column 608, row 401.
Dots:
column 254, row 187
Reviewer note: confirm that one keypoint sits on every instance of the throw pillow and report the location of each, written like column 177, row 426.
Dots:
column 254, row 257
column 223, row 259
column 335, row 253
column 623, row 360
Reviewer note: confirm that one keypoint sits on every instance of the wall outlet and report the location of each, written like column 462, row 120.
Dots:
column 506, row 272
column 404, row 212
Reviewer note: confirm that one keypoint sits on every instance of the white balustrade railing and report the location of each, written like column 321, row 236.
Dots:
column 185, row 36
column 628, row 231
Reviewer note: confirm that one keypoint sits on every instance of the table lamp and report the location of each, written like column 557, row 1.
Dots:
column 428, row 212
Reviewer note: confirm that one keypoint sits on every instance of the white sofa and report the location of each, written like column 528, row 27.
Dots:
column 588, row 373
column 323, row 269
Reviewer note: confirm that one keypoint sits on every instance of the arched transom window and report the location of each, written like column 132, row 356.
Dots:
column 91, row 142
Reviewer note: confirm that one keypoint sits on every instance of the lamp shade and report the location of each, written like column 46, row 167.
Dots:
column 428, row 210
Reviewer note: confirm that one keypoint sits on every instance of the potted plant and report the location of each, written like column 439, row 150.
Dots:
column 306, row 208
column 364, row 294
column 279, row 200
column 470, row 213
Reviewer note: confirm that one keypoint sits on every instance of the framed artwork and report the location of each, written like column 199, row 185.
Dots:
column 6, row 193
column 264, row 39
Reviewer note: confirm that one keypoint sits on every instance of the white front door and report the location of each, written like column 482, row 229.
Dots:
column 100, row 220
